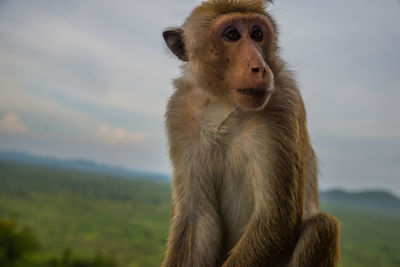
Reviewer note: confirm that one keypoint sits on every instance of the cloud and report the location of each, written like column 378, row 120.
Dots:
column 118, row 135
column 12, row 124
column 107, row 66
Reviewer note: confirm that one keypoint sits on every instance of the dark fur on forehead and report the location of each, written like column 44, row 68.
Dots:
column 221, row 7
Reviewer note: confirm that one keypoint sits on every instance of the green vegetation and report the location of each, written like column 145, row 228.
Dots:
column 15, row 243
column 69, row 260
column 126, row 219
column 85, row 219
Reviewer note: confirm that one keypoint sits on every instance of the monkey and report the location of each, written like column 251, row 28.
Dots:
column 244, row 189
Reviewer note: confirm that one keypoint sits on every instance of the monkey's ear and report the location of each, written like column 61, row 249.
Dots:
column 174, row 40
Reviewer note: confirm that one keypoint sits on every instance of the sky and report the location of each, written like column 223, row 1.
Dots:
column 90, row 79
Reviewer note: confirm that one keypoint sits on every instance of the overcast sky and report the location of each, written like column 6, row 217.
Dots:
column 90, row 79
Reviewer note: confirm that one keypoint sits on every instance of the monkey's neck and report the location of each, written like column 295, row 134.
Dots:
column 230, row 115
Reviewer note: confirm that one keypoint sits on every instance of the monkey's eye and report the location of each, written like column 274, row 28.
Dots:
column 232, row 35
column 257, row 35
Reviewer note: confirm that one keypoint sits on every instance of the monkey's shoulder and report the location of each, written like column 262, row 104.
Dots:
column 185, row 110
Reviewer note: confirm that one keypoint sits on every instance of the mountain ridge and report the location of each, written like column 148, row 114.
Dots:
column 76, row 164
column 369, row 200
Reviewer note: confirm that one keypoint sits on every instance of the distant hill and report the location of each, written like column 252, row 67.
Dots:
column 75, row 164
column 379, row 201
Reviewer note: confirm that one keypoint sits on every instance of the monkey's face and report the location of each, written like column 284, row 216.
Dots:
column 241, row 44
column 229, row 58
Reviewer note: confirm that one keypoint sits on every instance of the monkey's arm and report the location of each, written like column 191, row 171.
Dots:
column 195, row 233
column 271, row 233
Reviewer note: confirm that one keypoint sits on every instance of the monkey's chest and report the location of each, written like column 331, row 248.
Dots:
column 224, row 150
column 231, row 165
column 236, row 194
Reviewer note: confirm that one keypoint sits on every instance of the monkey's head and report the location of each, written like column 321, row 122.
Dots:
column 228, row 47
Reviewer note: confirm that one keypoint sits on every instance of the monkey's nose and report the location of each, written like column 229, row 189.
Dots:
column 259, row 72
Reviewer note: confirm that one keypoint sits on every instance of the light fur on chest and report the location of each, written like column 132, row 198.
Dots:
column 236, row 178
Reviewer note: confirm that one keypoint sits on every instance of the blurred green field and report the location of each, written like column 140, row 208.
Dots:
column 367, row 239
column 124, row 218
column 128, row 219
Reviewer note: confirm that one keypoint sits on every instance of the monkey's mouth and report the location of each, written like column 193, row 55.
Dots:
column 253, row 92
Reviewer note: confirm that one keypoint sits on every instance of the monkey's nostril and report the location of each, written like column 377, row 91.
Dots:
column 264, row 72
column 255, row 69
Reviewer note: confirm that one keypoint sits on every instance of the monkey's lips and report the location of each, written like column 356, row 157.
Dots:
column 255, row 92
column 251, row 98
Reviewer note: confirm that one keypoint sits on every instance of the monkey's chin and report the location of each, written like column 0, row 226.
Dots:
column 251, row 98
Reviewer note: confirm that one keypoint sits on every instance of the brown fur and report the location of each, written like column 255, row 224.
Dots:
column 245, row 174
